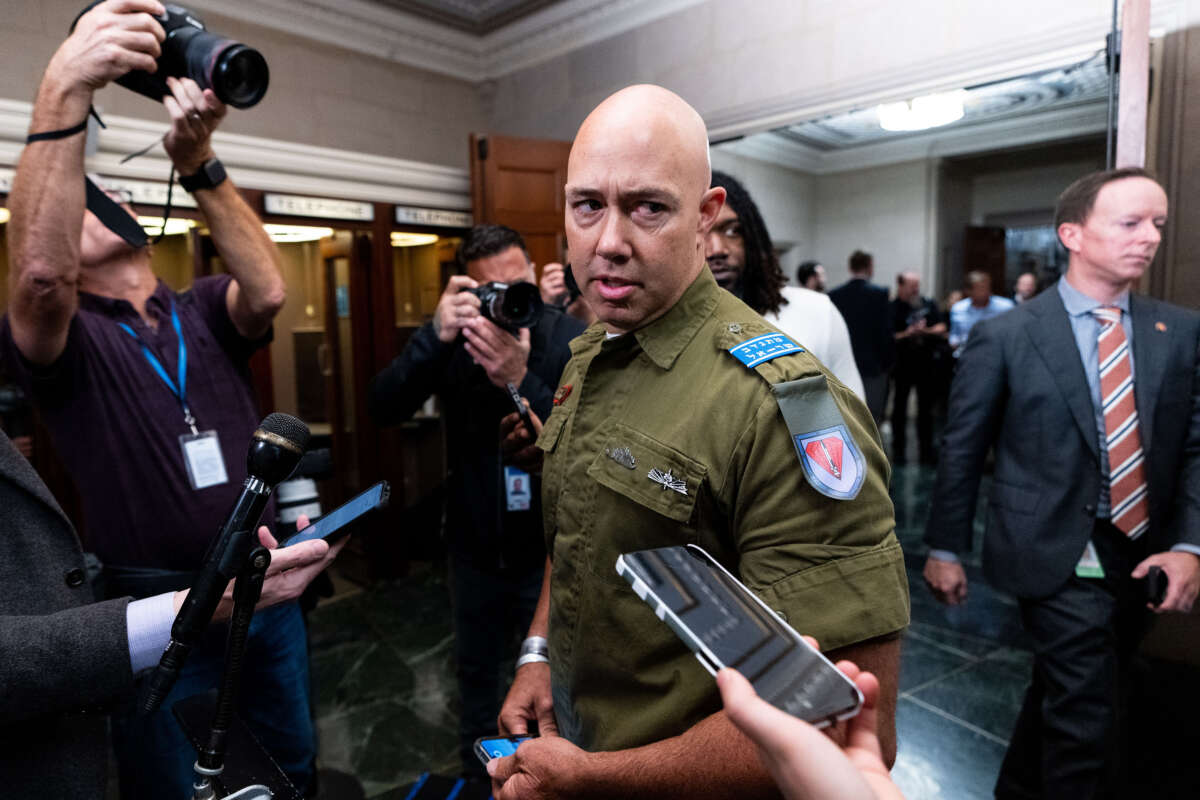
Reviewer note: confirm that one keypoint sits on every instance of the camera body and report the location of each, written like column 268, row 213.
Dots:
column 510, row 305
column 236, row 73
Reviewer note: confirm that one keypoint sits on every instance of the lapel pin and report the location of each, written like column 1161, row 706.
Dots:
column 667, row 481
column 622, row 456
column 1161, row 327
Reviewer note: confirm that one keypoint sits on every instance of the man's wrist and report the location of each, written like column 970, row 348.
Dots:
column 60, row 102
column 191, row 166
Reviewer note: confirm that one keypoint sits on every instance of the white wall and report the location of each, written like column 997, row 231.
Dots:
column 784, row 198
column 1021, row 190
column 886, row 211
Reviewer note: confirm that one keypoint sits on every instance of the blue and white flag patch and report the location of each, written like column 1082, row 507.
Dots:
column 760, row 349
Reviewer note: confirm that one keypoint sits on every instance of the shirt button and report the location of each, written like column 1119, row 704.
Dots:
column 735, row 328
column 1089, row 509
column 75, row 577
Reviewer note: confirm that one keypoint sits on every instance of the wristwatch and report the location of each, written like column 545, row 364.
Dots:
column 210, row 176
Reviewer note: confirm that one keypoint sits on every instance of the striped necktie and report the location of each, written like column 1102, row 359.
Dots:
column 1126, row 463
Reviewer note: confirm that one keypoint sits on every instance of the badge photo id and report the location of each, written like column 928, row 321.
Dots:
column 202, row 455
column 517, row 490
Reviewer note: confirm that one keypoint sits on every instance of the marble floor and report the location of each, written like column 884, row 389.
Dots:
column 386, row 704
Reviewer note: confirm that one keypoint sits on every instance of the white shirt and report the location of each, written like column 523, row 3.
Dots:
column 814, row 322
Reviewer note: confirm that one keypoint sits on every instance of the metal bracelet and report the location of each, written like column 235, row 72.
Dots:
column 532, row 658
column 535, row 644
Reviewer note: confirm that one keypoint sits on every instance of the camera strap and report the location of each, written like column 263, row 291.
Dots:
column 99, row 203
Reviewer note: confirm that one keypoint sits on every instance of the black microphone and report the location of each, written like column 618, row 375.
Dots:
column 275, row 450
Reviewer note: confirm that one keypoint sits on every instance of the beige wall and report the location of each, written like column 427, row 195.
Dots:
column 319, row 95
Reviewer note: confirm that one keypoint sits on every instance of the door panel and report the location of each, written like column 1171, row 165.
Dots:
column 519, row 183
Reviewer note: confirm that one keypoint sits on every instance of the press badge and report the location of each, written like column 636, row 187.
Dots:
column 202, row 455
column 517, row 489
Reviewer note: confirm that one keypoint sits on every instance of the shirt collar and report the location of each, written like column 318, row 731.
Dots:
column 666, row 337
column 115, row 306
column 1078, row 304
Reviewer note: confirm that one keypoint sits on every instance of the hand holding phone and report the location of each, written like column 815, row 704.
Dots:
column 335, row 524
column 727, row 625
column 489, row 747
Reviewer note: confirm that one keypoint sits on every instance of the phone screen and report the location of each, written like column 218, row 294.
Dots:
column 488, row 748
column 728, row 626
column 343, row 515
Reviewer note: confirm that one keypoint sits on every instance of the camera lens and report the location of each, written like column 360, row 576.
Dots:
column 240, row 76
column 522, row 304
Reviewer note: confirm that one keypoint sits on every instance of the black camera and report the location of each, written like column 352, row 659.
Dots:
column 509, row 305
column 236, row 73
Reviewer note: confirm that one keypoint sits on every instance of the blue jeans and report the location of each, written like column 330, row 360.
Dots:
column 154, row 756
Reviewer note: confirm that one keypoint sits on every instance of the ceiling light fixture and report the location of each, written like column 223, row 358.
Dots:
column 4, row 215
column 405, row 239
column 291, row 234
column 921, row 113
column 175, row 225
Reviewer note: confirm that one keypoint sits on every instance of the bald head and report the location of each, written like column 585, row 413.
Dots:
column 647, row 120
column 639, row 205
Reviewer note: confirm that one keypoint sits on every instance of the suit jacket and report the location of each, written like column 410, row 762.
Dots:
column 868, row 316
column 1021, row 387
column 60, row 654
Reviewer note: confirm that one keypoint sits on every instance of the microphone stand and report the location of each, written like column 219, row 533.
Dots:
column 247, row 589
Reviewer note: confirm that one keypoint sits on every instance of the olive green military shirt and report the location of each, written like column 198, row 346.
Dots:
column 670, row 397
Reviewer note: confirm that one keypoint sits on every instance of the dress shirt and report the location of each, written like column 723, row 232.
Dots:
column 964, row 314
column 149, row 627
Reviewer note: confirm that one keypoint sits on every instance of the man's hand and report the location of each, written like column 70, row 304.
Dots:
column 1183, row 579
column 541, row 769
column 195, row 114
column 803, row 761
column 517, row 444
column 528, row 702
column 553, row 285
column 947, row 580
column 290, row 571
column 112, row 39
column 455, row 308
column 503, row 356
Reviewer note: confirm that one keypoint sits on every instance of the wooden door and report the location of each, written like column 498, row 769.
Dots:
column 519, row 183
column 984, row 251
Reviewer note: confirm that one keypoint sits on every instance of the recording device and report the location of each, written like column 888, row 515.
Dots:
column 1156, row 585
column 275, row 450
column 489, row 747
column 334, row 525
column 236, row 73
column 726, row 625
column 573, row 290
column 509, row 305
column 522, row 410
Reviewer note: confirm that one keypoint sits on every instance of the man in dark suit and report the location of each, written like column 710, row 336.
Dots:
column 66, row 657
column 1091, row 397
column 865, row 309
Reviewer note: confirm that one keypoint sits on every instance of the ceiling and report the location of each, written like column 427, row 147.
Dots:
column 1000, row 100
column 478, row 17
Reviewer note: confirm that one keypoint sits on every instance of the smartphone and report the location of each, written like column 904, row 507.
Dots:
column 333, row 525
column 522, row 409
column 489, row 747
column 1156, row 585
column 726, row 625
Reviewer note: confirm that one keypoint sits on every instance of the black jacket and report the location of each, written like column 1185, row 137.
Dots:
column 479, row 528
column 869, row 319
column 1021, row 387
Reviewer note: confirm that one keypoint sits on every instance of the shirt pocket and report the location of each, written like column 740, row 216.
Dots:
column 552, row 429
column 653, row 475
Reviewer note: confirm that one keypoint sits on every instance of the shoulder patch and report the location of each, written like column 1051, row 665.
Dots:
column 762, row 349
column 832, row 460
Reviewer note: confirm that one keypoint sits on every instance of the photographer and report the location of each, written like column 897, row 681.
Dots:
column 493, row 521
column 145, row 391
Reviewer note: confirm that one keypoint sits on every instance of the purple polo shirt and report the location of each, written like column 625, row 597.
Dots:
column 116, row 425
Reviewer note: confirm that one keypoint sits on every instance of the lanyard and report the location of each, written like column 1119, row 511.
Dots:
column 179, row 391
